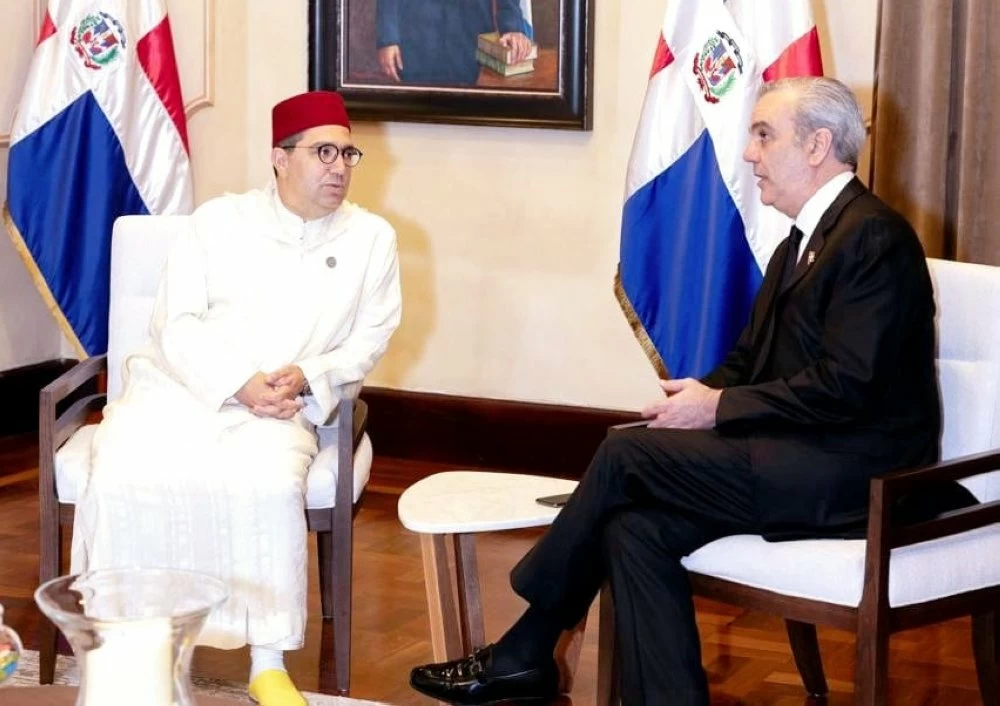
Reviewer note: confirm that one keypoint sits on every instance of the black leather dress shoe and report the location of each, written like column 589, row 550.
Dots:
column 473, row 681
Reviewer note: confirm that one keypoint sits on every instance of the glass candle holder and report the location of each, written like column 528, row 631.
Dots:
column 132, row 631
column 10, row 651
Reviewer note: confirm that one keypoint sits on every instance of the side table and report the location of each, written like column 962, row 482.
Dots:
column 449, row 508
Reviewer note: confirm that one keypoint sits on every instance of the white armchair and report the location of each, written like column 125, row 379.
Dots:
column 899, row 577
column 138, row 254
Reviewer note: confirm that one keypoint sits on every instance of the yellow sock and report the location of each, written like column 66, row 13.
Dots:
column 274, row 687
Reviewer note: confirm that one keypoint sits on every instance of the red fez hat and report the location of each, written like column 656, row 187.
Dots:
column 306, row 110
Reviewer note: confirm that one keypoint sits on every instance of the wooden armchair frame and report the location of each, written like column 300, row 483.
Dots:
column 65, row 406
column 874, row 620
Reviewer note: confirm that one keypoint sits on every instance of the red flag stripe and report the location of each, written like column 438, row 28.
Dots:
column 47, row 30
column 156, row 56
column 663, row 57
column 800, row 58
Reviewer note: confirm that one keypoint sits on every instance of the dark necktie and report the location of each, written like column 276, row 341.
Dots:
column 792, row 256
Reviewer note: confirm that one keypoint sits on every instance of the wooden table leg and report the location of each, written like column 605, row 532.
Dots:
column 446, row 639
column 568, row 655
column 607, row 652
column 470, row 603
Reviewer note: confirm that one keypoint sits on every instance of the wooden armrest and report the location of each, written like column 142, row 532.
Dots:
column 72, row 419
column 343, row 411
column 359, row 416
column 883, row 536
column 53, row 429
column 903, row 480
column 340, row 429
column 887, row 488
column 947, row 524
column 72, row 380
column 360, row 421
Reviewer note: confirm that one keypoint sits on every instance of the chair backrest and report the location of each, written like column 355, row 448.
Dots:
column 968, row 328
column 139, row 246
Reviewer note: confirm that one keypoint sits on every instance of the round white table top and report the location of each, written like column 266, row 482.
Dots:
column 459, row 502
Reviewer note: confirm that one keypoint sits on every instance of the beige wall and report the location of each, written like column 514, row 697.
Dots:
column 507, row 290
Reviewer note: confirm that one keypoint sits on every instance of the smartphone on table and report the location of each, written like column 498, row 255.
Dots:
column 553, row 500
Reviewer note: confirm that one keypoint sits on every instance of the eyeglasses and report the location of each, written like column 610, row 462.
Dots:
column 328, row 152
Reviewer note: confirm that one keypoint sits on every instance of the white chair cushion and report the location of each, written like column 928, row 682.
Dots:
column 321, row 483
column 72, row 466
column 832, row 570
column 969, row 393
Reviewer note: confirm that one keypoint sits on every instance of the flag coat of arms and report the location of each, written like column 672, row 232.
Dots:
column 695, row 239
column 99, row 133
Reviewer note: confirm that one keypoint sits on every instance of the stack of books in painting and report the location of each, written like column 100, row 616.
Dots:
column 496, row 57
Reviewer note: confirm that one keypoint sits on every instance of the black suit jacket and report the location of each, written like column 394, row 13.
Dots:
column 833, row 380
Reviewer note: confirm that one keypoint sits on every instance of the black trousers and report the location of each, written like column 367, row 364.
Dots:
column 649, row 498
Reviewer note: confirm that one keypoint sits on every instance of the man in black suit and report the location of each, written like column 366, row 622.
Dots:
column 831, row 383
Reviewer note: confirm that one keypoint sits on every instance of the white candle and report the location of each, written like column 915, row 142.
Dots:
column 133, row 665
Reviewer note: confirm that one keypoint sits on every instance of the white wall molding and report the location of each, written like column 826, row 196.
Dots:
column 207, row 97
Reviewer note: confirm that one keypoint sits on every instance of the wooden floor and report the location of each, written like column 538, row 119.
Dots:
column 746, row 653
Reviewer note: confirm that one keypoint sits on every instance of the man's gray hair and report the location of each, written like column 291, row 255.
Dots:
column 288, row 143
column 826, row 103
column 291, row 140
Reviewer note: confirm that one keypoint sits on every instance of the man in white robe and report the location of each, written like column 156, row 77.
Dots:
column 273, row 301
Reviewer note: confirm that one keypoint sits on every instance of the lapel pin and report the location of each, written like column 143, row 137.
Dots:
column 810, row 257
column 331, row 262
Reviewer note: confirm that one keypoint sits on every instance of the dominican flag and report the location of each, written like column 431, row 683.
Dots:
column 99, row 133
column 695, row 239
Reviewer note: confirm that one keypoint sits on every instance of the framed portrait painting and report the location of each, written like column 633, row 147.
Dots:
column 520, row 63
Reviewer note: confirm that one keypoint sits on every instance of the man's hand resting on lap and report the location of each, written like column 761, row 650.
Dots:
column 267, row 400
column 689, row 405
column 288, row 380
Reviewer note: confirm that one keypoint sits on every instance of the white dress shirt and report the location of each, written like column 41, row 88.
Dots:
column 816, row 206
